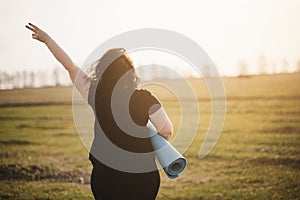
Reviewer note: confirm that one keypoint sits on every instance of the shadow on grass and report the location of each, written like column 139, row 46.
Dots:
column 287, row 162
column 282, row 130
column 16, row 118
column 17, row 142
column 32, row 104
column 36, row 173
column 40, row 127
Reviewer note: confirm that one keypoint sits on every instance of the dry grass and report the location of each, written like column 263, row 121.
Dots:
column 257, row 156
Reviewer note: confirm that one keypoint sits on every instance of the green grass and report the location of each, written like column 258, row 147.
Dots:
column 256, row 157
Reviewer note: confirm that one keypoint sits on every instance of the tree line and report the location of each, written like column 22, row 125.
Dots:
column 58, row 77
column 32, row 79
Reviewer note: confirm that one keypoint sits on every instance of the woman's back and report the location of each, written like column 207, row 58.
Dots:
column 140, row 185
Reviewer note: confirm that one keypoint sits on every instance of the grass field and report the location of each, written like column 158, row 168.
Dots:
column 256, row 157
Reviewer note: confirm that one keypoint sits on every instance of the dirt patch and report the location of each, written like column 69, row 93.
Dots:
column 34, row 126
column 33, row 104
column 16, row 142
column 282, row 129
column 293, row 163
column 35, row 173
column 63, row 135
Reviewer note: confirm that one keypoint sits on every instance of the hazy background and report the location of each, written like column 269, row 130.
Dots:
column 240, row 36
column 257, row 154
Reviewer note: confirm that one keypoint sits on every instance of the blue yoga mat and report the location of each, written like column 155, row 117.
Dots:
column 168, row 157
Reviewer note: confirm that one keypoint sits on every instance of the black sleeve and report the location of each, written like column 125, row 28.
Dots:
column 142, row 104
column 152, row 104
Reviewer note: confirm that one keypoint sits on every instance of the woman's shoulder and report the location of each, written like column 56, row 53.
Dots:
column 143, row 92
column 145, row 95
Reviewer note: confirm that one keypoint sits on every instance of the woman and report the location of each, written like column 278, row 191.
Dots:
column 115, row 70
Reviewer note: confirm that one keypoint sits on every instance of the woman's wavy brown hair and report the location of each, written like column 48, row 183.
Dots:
column 110, row 68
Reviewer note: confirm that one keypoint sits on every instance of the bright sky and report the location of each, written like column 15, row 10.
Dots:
column 229, row 31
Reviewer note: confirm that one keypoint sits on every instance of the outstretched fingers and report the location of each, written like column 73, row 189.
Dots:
column 37, row 33
column 32, row 27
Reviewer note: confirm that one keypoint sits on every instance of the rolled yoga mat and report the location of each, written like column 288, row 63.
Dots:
column 168, row 157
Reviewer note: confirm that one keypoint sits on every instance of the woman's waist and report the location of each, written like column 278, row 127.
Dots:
column 143, row 164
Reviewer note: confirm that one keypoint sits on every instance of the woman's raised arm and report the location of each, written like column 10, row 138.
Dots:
column 82, row 84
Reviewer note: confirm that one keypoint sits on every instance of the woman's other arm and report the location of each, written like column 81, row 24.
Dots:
column 77, row 76
column 162, row 123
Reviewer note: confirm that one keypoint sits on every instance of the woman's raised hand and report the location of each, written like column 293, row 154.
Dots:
column 38, row 34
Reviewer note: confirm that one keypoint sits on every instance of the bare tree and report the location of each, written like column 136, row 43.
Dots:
column 1, row 80
column 55, row 77
column 262, row 64
column 25, row 79
column 242, row 67
column 41, row 78
column 18, row 80
column 32, row 79
column 273, row 67
column 206, row 70
column 285, row 65
column 155, row 71
column 6, row 80
column 298, row 66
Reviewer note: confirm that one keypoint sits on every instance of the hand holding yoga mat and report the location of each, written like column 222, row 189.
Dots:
column 169, row 158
